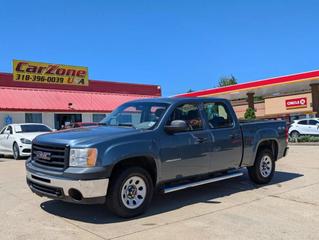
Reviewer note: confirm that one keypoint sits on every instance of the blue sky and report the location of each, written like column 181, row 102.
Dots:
column 177, row 44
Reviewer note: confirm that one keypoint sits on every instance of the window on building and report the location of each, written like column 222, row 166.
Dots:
column 97, row 117
column 217, row 115
column 33, row 117
column 188, row 113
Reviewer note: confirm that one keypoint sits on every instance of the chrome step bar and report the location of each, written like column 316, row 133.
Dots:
column 206, row 181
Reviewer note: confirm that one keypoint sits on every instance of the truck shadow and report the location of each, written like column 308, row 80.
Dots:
column 98, row 214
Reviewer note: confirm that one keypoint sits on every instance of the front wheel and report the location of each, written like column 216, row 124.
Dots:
column 16, row 151
column 295, row 134
column 264, row 167
column 130, row 192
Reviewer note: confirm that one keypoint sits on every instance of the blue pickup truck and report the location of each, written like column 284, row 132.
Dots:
column 162, row 144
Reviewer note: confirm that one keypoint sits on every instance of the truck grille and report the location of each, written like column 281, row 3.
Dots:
column 50, row 156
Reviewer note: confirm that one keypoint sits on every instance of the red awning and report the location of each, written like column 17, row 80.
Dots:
column 44, row 100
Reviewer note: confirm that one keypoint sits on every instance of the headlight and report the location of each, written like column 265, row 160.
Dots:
column 25, row 141
column 83, row 157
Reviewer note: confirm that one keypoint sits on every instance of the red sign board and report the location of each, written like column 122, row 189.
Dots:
column 296, row 103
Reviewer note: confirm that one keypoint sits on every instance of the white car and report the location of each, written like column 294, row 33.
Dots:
column 308, row 126
column 16, row 139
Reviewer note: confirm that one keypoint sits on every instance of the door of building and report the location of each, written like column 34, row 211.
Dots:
column 61, row 120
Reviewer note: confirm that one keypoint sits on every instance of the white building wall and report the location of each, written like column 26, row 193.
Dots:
column 87, row 117
column 48, row 119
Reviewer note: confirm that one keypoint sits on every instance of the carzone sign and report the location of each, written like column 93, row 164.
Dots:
column 37, row 72
column 296, row 103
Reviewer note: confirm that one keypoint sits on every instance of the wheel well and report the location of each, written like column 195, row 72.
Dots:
column 295, row 131
column 271, row 145
column 147, row 163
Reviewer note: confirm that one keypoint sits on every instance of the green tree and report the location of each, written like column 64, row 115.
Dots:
column 227, row 81
column 250, row 113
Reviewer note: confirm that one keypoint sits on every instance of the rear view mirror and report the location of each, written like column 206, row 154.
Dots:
column 176, row 126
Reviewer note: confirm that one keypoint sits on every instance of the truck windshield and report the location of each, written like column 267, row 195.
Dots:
column 139, row 115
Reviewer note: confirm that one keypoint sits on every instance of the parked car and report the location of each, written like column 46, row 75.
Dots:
column 308, row 126
column 81, row 124
column 166, row 143
column 16, row 139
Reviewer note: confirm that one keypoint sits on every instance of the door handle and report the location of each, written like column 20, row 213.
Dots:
column 201, row 139
column 233, row 136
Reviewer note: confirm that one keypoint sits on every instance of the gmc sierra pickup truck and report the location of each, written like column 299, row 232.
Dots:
column 163, row 144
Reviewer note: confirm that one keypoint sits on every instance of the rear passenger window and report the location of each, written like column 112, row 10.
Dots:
column 313, row 122
column 217, row 115
column 188, row 113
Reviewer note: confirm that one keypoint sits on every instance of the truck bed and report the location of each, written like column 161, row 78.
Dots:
column 254, row 131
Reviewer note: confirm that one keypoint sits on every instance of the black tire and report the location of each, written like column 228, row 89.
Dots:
column 114, row 198
column 295, row 134
column 16, row 151
column 257, row 173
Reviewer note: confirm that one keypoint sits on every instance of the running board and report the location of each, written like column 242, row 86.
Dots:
column 206, row 181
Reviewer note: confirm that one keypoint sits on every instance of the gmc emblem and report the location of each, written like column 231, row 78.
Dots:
column 43, row 155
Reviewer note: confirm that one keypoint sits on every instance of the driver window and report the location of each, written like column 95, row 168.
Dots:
column 188, row 113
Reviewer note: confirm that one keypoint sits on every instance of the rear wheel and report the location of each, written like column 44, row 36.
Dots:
column 130, row 192
column 264, row 167
column 16, row 151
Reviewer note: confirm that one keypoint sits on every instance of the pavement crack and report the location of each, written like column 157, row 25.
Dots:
column 295, row 200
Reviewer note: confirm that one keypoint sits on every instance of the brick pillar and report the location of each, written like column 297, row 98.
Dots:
column 250, row 100
column 315, row 97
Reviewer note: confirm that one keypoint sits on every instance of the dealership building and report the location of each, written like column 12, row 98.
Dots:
column 59, row 104
column 286, row 97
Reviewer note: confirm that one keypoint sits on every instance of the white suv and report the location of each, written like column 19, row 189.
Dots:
column 16, row 139
column 304, row 127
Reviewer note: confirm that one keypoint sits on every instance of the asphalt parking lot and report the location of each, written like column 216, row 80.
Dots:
column 288, row 208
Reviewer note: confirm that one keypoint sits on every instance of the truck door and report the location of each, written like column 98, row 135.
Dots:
column 226, row 147
column 185, row 153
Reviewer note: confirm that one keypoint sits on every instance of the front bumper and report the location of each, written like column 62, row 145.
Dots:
column 24, row 149
column 79, row 191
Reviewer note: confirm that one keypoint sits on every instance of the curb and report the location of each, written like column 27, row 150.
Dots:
column 304, row 144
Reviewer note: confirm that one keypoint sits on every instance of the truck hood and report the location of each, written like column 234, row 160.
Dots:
column 83, row 136
column 30, row 135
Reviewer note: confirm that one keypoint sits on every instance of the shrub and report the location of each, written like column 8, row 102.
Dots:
column 304, row 138
column 250, row 114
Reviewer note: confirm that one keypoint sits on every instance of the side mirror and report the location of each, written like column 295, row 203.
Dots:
column 176, row 126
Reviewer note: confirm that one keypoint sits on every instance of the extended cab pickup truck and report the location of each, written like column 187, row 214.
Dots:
column 164, row 144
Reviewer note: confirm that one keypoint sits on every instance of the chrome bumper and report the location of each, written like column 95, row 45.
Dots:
column 88, row 188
